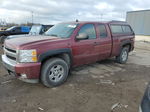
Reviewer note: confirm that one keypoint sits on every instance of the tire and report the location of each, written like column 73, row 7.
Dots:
column 123, row 56
column 54, row 72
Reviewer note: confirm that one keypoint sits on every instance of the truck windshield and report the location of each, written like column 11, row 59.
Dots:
column 62, row 30
column 35, row 30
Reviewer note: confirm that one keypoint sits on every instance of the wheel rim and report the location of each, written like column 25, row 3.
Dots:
column 124, row 56
column 56, row 73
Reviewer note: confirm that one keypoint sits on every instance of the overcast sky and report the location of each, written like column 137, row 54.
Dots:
column 54, row 11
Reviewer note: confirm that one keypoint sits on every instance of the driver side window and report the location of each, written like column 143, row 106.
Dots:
column 89, row 30
column 17, row 30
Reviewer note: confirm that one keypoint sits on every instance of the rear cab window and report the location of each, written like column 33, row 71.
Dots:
column 126, row 29
column 116, row 29
column 121, row 29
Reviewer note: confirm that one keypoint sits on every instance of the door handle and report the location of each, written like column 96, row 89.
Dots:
column 96, row 43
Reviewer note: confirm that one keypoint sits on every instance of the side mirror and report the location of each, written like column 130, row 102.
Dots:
column 82, row 36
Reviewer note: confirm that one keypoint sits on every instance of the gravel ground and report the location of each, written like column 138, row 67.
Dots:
column 104, row 86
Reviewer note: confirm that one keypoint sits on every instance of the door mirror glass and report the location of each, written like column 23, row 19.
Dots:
column 82, row 36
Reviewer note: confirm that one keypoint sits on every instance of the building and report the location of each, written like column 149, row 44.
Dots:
column 139, row 21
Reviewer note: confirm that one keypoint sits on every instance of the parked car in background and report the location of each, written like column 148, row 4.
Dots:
column 3, row 28
column 145, row 104
column 49, row 57
column 39, row 29
column 15, row 30
column 35, row 30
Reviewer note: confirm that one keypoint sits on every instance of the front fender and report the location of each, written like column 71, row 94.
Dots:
column 54, row 52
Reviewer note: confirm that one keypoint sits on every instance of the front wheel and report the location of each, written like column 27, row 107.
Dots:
column 54, row 72
column 123, row 56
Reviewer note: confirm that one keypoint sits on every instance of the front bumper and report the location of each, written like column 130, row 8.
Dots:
column 31, row 70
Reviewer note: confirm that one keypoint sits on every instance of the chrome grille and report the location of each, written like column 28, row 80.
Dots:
column 10, row 53
column 11, row 50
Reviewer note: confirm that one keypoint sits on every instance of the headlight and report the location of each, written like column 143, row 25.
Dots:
column 27, row 55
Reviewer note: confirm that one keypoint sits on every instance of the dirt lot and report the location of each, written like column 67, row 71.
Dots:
column 89, row 88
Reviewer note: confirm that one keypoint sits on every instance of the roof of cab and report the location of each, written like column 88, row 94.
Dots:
column 103, row 22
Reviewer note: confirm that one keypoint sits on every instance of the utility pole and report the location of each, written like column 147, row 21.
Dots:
column 101, row 16
column 32, row 17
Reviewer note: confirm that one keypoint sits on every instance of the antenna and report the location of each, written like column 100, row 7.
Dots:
column 32, row 17
column 77, row 20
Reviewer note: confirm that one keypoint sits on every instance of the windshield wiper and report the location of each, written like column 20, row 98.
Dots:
column 54, row 35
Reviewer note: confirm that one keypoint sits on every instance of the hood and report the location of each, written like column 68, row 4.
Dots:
column 29, row 40
column 16, row 36
column 23, row 35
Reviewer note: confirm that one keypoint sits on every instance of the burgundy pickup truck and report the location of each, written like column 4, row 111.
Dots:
column 49, row 57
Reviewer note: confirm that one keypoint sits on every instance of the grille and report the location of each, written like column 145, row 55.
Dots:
column 10, row 53
column 10, row 57
column 11, row 50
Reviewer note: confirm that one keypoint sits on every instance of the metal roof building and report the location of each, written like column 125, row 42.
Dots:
column 139, row 21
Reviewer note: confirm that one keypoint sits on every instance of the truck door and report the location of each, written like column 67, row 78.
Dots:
column 104, row 40
column 84, row 49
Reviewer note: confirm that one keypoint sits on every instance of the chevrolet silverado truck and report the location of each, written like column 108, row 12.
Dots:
column 48, row 58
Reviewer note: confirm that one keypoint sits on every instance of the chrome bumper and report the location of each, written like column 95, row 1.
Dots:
column 8, row 64
column 33, row 81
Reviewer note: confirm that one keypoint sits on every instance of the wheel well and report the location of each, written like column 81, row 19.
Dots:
column 127, row 45
column 65, row 56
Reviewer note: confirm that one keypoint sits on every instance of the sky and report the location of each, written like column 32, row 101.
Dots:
column 55, row 11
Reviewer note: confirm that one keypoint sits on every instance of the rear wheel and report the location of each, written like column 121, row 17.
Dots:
column 54, row 72
column 123, row 56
